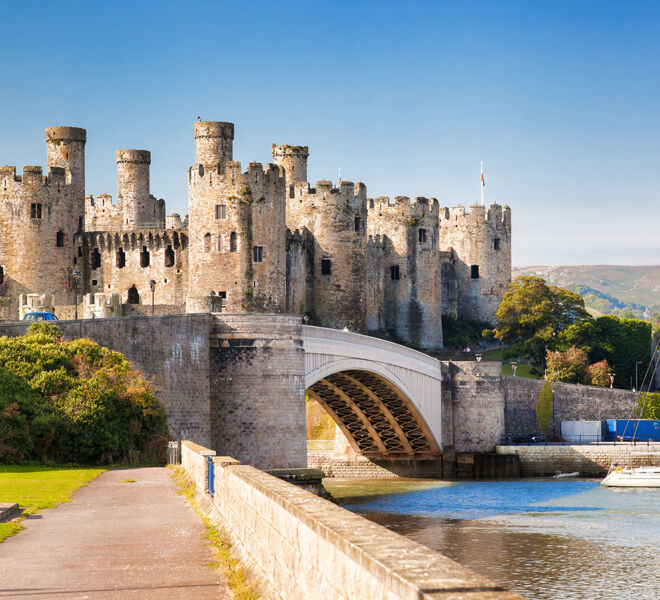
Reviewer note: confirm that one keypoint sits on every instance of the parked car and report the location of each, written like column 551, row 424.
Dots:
column 40, row 316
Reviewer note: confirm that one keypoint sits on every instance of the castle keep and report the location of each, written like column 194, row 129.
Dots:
column 257, row 240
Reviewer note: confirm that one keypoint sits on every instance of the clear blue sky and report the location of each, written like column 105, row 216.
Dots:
column 559, row 99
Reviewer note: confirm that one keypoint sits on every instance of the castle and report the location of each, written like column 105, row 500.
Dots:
column 262, row 240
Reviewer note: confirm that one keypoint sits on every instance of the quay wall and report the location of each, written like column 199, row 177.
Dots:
column 300, row 546
column 589, row 460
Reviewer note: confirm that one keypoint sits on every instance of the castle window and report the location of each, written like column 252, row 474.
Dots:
column 35, row 211
column 169, row 256
column 2, row 275
column 421, row 234
column 59, row 239
column 258, row 254
column 221, row 243
column 133, row 295
column 223, row 300
column 496, row 244
column 80, row 223
column 358, row 224
column 220, row 211
column 394, row 272
column 94, row 281
column 96, row 258
column 144, row 257
column 232, row 242
column 120, row 258
column 207, row 242
column 474, row 271
column 326, row 266
column 371, row 203
column 79, row 251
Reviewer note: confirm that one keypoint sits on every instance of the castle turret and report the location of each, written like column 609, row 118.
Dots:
column 293, row 159
column 213, row 143
column 65, row 148
column 480, row 246
column 408, row 250
column 139, row 208
column 237, row 228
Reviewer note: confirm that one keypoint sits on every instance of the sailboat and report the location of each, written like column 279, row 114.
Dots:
column 633, row 477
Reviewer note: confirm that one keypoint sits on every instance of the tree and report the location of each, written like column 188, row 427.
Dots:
column 649, row 405
column 544, row 408
column 534, row 314
column 569, row 366
column 598, row 374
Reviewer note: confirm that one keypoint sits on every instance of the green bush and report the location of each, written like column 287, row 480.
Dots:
column 74, row 402
column 544, row 408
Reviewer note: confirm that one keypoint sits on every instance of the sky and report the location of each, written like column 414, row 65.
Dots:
column 558, row 99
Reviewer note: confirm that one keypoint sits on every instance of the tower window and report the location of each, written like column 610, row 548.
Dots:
column 474, row 271
column 232, row 242
column 220, row 211
column 258, row 254
column 421, row 235
column 35, row 211
column 358, row 224
column 59, row 239
column 96, row 258
column 223, row 300
column 207, row 242
column 120, row 258
column 394, row 272
column 496, row 244
column 326, row 266
column 169, row 256
column 144, row 257
column 371, row 202
column 79, row 251
column 2, row 275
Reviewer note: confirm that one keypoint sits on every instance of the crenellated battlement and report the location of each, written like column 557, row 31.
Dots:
column 495, row 214
column 32, row 176
column 420, row 209
column 153, row 239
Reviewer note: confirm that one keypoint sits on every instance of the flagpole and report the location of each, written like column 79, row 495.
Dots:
column 481, row 182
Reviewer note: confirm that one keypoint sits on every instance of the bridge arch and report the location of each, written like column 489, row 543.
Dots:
column 384, row 397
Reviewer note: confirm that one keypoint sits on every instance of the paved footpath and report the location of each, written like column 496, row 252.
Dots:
column 114, row 540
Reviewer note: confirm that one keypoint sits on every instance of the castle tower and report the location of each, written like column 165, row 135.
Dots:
column 336, row 242
column 237, row 229
column 39, row 217
column 293, row 159
column 213, row 143
column 65, row 147
column 481, row 245
column 139, row 208
column 404, row 238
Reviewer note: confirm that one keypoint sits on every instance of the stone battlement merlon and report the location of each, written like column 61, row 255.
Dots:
column 495, row 214
column 32, row 175
column 404, row 207
column 134, row 240
column 269, row 179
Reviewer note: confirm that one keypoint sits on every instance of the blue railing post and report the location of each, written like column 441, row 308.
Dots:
column 211, row 476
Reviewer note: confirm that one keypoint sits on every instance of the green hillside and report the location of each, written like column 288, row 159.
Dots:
column 607, row 289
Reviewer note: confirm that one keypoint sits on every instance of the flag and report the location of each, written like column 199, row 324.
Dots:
column 483, row 183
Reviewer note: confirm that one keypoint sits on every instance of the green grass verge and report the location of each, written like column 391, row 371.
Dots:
column 37, row 487
column 219, row 542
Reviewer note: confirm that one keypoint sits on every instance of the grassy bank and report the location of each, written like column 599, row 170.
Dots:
column 37, row 487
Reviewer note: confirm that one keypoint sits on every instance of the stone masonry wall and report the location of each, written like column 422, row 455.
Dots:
column 172, row 349
column 570, row 403
column 588, row 460
column 258, row 390
column 301, row 546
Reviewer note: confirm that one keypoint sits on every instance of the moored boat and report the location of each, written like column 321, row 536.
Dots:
column 633, row 477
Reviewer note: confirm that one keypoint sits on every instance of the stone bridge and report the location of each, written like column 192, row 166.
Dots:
column 385, row 397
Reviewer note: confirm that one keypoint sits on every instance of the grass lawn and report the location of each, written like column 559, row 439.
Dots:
column 522, row 371
column 35, row 487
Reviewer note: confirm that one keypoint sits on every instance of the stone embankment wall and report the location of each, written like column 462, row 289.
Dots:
column 570, row 403
column 588, row 460
column 301, row 546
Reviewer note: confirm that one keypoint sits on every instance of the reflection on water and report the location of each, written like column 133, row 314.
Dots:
column 568, row 539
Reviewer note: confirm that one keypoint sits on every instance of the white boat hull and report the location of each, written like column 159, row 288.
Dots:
column 640, row 477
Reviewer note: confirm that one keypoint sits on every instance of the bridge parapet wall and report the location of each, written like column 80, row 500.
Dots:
column 301, row 546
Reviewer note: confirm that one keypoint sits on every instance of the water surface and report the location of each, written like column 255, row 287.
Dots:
column 543, row 538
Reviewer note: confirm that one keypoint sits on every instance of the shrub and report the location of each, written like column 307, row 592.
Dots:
column 598, row 374
column 74, row 402
column 544, row 408
column 569, row 366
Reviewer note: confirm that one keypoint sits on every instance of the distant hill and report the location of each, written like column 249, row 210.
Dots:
column 607, row 289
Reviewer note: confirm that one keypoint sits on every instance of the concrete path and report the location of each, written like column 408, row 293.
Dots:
column 115, row 540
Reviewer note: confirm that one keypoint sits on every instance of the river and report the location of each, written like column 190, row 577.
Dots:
column 563, row 539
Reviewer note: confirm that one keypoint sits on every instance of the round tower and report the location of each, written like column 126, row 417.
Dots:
column 237, row 233
column 412, row 272
column 337, row 221
column 65, row 147
column 213, row 143
column 293, row 159
column 133, row 186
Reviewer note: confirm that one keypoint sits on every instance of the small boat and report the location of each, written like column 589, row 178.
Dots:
column 559, row 474
column 634, row 477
